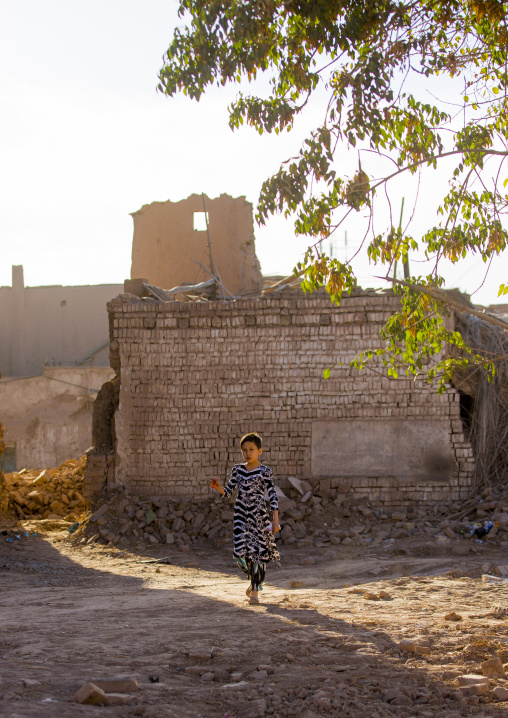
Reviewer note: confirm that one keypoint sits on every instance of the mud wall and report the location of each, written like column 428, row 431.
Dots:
column 166, row 245
column 49, row 417
column 61, row 324
column 194, row 377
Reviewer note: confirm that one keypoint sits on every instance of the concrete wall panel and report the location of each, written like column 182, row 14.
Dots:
column 403, row 449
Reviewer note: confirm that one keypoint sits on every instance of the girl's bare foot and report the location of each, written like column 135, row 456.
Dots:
column 254, row 598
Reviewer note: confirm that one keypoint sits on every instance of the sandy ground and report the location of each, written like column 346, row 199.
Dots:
column 70, row 614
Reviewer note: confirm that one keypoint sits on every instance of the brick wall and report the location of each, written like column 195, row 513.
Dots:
column 194, row 377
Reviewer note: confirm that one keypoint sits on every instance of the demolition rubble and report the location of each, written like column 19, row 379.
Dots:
column 313, row 515
column 310, row 518
column 48, row 494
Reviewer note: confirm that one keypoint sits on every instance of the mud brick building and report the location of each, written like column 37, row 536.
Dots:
column 172, row 243
column 54, row 357
column 192, row 377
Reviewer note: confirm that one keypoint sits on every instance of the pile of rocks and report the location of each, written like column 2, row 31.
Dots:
column 48, row 494
column 312, row 515
column 4, row 500
column 309, row 518
column 122, row 520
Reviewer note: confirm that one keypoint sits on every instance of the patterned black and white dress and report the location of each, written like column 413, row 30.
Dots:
column 254, row 544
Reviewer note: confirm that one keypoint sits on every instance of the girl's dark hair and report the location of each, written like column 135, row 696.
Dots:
column 255, row 438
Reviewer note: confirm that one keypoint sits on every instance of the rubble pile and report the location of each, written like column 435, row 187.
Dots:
column 4, row 500
column 312, row 515
column 122, row 519
column 48, row 494
column 334, row 516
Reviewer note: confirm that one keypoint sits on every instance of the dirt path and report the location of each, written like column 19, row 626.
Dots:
column 71, row 614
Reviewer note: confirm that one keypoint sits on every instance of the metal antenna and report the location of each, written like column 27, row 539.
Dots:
column 400, row 227
column 213, row 268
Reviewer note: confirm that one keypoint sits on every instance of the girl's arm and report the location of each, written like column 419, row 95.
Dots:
column 216, row 484
column 274, row 501
column 275, row 522
column 230, row 486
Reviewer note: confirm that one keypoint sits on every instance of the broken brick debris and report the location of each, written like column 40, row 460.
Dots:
column 91, row 695
column 116, row 685
column 320, row 517
column 315, row 519
column 106, row 691
column 49, row 493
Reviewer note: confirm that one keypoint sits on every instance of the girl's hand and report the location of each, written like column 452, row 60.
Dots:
column 275, row 527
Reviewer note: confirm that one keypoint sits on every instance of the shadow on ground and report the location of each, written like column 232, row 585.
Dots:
column 70, row 614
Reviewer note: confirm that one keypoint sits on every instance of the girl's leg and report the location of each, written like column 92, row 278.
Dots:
column 257, row 576
column 249, row 566
column 244, row 565
column 261, row 575
column 257, row 573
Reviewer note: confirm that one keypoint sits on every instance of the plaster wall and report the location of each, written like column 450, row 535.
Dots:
column 409, row 450
column 165, row 243
column 194, row 377
column 54, row 323
column 49, row 417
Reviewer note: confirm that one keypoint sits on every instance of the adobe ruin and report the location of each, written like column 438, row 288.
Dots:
column 174, row 243
column 53, row 358
column 192, row 377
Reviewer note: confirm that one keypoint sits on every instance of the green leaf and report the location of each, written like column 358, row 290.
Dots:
column 342, row 164
column 327, row 373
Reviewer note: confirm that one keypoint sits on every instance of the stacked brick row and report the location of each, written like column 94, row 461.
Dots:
column 194, row 377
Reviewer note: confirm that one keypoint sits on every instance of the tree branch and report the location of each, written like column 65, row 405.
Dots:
column 442, row 297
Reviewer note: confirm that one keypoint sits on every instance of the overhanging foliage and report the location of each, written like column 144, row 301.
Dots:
column 361, row 53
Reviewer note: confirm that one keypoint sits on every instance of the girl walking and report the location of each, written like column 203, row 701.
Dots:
column 254, row 545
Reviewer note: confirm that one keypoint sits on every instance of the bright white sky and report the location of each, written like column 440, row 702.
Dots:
column 85, row 140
